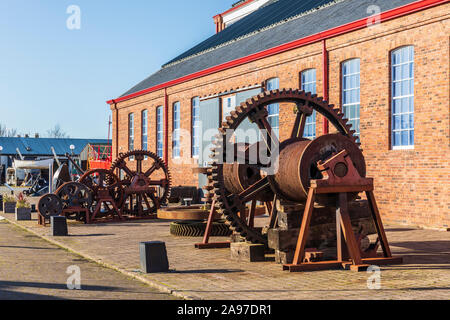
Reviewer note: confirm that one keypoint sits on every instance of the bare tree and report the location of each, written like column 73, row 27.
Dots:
column 5, row 132
column 57, row 132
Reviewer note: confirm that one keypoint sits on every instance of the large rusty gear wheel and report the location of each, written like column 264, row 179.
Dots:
column 255, row 109
column 140, row 198
column 103, row 181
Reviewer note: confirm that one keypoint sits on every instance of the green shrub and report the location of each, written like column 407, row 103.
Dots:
column 22, row 204
column 8, row 198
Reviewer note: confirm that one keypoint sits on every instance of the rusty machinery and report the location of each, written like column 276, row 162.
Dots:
column 144, row 190
column 329, row 171
column 101, row 194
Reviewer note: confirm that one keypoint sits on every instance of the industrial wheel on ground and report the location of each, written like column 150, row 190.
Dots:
column 197, row 229
column 145, row 190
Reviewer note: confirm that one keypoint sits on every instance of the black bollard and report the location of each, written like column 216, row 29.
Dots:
column 58, row 226
column 153, row 257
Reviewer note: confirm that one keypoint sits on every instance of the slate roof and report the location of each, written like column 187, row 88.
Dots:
column 274, row 24
column 42, row 146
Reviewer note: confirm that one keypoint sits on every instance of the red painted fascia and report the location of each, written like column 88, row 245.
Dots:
column 359, row 24
column 234, row 8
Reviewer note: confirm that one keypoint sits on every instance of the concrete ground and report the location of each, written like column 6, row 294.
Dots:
column 211, row 274
column 32, row 268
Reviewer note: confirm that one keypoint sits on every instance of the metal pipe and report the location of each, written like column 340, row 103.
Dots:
column 75, row 164
column 55, row 156
column 325, row 81
column 11, row 189
column 166, row 136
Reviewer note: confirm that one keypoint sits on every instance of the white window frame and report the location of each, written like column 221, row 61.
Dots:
column 273, row 84
column 195, row 127
column 311, row 120
column 144, row 131
column 176, row 122
column 410, row 62
column 160, row 131
column 355, row 105
column 228, row 105
column 131, row 133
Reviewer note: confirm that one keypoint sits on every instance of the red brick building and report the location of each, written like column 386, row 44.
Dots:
column 384, row 63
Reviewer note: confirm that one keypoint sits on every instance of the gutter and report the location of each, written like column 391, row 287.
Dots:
column 346, row 28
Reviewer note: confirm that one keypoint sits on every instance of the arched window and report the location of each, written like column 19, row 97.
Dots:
column 195, row 127
column 351, row 92
column 273, row 109
column 308, row 84
column 176, row 147
column 144, row 131
column 402, row 101
column 159, row 131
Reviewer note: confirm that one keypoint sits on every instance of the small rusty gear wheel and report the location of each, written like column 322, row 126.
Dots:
column 50, row 205
column 101, row 181
column 233, row 197
column 75, row 195
column 145, row 191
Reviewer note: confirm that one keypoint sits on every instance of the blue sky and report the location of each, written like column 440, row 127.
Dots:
column 50, row 74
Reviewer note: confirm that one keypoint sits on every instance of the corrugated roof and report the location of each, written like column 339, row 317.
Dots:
column 42, row 146
column 275, row 24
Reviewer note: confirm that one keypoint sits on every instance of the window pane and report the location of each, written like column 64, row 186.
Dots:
column 403, row 96
column 351, row 92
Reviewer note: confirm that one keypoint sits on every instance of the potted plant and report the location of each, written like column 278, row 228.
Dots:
column 9, row 203
column 23, row 210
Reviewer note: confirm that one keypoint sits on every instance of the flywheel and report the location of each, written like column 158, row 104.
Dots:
column 146, row 182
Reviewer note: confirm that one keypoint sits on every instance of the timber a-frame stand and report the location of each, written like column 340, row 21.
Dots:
column 210, row 198
column 341, row 180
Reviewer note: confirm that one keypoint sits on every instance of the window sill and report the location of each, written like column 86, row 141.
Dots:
column 403, row 148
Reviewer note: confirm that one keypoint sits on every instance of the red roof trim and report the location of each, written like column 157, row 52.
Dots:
column 234, row 8
column 359, row 24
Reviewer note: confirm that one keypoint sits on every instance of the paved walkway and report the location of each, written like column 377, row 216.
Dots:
column 210, row 274
column 32, row 268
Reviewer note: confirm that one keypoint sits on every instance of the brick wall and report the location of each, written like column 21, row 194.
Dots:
column 412, row 186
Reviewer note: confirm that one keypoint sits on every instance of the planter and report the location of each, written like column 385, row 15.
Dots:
column 23, row 214
column 9, row 207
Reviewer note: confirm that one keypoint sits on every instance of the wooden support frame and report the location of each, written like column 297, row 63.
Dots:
column 77, row 210
column 104, row 198
column 205, row 244
column 346, row 240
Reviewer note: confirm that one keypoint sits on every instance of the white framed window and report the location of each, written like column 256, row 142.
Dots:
column 144, row 131
column 308, row 84
column 228, row 105
column 274, row 109
column 131, row 132
column 159, row 131
column 351, row 93
column 402, row 101
column 195, row 127
column 176, row 131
